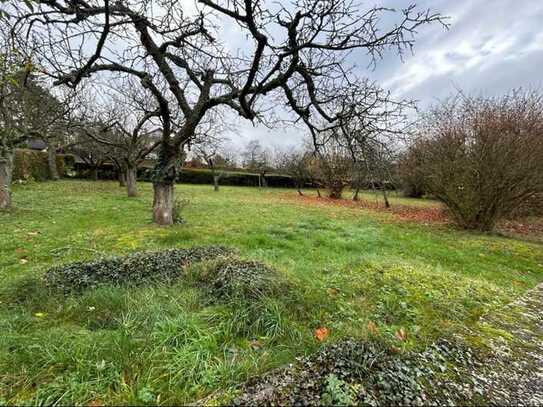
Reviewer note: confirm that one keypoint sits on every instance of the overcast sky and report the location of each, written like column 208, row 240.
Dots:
column 491, row 46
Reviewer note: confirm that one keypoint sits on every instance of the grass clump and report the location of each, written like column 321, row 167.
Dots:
column 135, row 268
column 230, row 278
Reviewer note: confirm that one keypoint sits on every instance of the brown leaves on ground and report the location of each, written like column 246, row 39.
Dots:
column 420, row 214
column 531, row 228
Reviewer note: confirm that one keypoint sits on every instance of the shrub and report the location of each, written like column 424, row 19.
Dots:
column 32, row 164
column 135, row 268
column 483, row 157
column 411, row 175
column 230, row 277
column 233, row 178
column 533, row 206
column 334, row 168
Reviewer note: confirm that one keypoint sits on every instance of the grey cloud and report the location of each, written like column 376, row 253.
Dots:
column 491, row 47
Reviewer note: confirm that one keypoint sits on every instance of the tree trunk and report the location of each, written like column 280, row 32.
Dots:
column 319, row 193
column 163, row 203
column 94, row 173
column 164, row 175
column 264, row 182
column 52, row 162
column 131, row 181
column 299, row 188
column 216, row 183
column 335, row 190
column 355, row 196
column 385, row 197
column 6, row 173
column 122, row 178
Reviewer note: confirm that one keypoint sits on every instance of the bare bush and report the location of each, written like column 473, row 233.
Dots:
column 334, row 167
column 410, row 173
column 483, row 157
column 296, row 163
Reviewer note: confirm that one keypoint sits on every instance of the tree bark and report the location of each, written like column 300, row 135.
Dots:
column 163, row 203
column 216, row 183
column 164, row 176
column 131, row 181
column 52, row 162
column 264, row 182
column 94, row 173
column 355, row 196
column 122, row 179
column 6, row 174
column 385, row 197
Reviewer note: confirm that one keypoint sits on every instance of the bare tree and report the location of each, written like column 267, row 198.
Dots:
column 296, row 163
column 371, row 128
column 56, row 133
column 129, row 130
column 93, row 153
column 334, row 166
column 27, row 108
column 410, row 171
column 11, row 134
column 483, row 157
column 209, row 150
column 296, row 56
column 257, row 159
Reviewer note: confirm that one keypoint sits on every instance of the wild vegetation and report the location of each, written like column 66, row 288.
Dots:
column 340, row 272
column 257, row 295
column 483, row 157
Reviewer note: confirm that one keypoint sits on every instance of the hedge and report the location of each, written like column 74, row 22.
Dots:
column 194, row 176
column 204, row 176
column 32, row 164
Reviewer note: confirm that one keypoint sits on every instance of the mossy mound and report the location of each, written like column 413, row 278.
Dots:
column 232, row 277
column 136, row 268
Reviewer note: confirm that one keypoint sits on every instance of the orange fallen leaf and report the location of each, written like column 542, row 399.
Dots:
column 321, row 334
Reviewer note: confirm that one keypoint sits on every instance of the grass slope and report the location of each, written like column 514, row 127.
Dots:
column 171, row 345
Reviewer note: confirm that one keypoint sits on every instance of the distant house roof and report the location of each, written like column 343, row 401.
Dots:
column 36, row 144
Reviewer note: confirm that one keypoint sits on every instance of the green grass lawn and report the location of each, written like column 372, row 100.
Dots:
column 161, row 344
